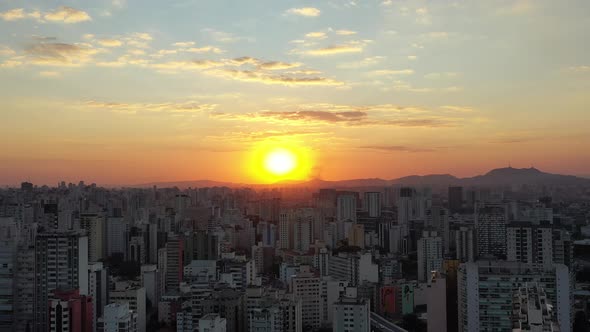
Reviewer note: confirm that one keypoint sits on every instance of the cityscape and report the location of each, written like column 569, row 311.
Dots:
column 294, row 166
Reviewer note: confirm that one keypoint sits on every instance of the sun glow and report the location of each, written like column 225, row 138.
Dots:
column 272, row 162
column 280, row 161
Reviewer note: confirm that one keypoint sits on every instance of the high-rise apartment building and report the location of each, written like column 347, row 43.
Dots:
column 135, row 297
column 532, row 311
column 61, row 263
column 98, row 289
column 117, row 318
column 352, row 314
column 530, row 244
column 307, row 286
column 346, row 206
column 486, row 289
column 490, row 225
column 70, row 311
column 455, row 199
column 212, row 323
column 465, row 244
column 430, row 255
column 372, row 204
column 174, row 262
column 94, row 225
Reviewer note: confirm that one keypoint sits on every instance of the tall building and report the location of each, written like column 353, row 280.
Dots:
column 70, row 311
column 352, row 314
column 135, row 297
column 307, row 286
column 174, row 262
column 94, row 225
column 356, row 236
column 346, row 207
column 98, row 289
column 490, row 225
column 302, row 230
column 372, row 204
column 486, row 289
column 532, row 310
column 8, row 253
column 212, row 323
column 24, row 281
column 116, row 231
column 61, row 264
column 530, row 244
column 354, row 268
column 465, row 244
column 285, row 231
column 430, row 255
column 455, row 199
column 117, row 318
column 229, row 304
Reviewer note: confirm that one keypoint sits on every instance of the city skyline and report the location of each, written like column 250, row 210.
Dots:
column 128, row 92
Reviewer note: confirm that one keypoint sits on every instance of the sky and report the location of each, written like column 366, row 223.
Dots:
column 136, row 91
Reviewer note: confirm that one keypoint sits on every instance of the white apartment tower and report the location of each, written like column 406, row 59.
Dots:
column 430, row 255
column 61, row 264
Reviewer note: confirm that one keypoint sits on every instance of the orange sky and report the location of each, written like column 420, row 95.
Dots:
column 110, row 93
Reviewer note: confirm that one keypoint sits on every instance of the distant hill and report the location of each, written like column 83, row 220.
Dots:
column 498, row 177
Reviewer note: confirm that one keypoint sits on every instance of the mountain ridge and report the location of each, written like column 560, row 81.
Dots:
column 496, row 177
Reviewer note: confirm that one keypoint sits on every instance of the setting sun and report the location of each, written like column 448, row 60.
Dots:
column 280, row 162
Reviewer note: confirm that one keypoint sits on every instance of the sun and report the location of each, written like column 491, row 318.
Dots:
column 280, row 162
column 272, row 162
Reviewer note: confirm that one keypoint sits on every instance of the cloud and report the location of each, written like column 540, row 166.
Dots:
column 187, row 65
column 60, row 54
column 412, row 57
column 67, row 15
column 580, row 69
column 107, row 42
column 423, row 16
column 345, row 32
column 188, row 107
column 518, row 7
column 277, row 65
column 386, row 2
column 19, row 14
column 366, row 62
column 457, row 108
column 335, row 50
column 345, row 115
column 305, row 11
column 396, row 148
column 203, row 49
column 241, row 136
column 391, row 72
column 6, row 51
column 11, row 64
column 272, row 79
column 184, row 44
column 316, row 35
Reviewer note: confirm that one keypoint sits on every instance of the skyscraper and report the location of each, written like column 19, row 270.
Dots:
column 372, row 204
column 70, row 311
column 490, row 225
column 61, row 264
column 94, row 226
column 486, row 293
column 455, row 199
column 346, row 207
column 430, row 255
